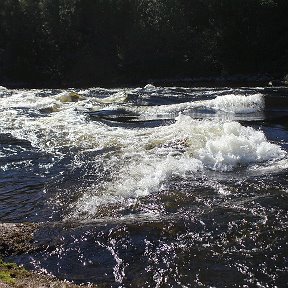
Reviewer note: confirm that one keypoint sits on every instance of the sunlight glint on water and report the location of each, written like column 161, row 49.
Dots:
column 170, row 161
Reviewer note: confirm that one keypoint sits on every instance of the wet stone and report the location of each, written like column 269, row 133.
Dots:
column 16, row 238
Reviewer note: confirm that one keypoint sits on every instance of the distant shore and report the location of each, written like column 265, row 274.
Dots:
column 261, row 80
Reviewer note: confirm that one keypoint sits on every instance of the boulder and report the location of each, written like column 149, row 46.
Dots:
column 67, row 97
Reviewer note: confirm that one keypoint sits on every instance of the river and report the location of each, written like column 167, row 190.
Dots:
column 150, row 186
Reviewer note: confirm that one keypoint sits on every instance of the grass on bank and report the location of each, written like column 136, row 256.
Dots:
column 10, row 271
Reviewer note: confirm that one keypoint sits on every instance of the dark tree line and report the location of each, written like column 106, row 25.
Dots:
column 86, row 42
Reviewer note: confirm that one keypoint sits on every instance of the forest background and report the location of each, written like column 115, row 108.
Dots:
column 47, row 43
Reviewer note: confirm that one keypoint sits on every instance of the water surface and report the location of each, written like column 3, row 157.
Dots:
column 149, row 187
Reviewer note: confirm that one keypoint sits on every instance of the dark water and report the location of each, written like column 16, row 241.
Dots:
column 150, row 187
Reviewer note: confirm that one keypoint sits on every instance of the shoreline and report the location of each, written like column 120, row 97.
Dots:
column 18, row 239
column 241, row 80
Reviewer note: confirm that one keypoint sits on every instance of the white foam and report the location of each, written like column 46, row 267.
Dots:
column 220, row 146
column 150, row 157
column 237, row 145
column 119, row 97
column 235, row 104
column 25, row 99
column 238, row 103
column 269, row 167
column 149, row 175
column 141, row 161
column 137, row 179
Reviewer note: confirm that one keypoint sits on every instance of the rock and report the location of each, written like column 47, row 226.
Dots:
column 69, row 97
column 16, row 238
column 119, row 97
column 51, row 109
column 34, row 280
column 11, row 275
column 3, row 285
column 149, row 87
column 285, row 78
column 277, row 83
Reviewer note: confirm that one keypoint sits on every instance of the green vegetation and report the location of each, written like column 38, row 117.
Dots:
column 86, row 42
column 10, row 271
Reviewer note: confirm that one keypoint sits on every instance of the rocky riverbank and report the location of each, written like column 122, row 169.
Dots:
column 16, row 239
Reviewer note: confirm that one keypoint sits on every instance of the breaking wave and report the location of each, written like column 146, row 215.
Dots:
column 140, row 160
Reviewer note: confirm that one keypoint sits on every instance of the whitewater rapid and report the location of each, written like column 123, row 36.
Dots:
column 140, row 160
column 148, row 186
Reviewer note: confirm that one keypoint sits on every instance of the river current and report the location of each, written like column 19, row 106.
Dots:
column 149, row 187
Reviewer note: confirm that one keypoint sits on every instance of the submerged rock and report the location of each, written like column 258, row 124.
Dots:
column 50, row 109
column 286, row 79
column 149, row 87
column 119, row 97
column 8, row 139
column 69, row 97
column 279, row 82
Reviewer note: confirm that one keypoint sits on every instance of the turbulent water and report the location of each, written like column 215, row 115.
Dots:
column 149, row 187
